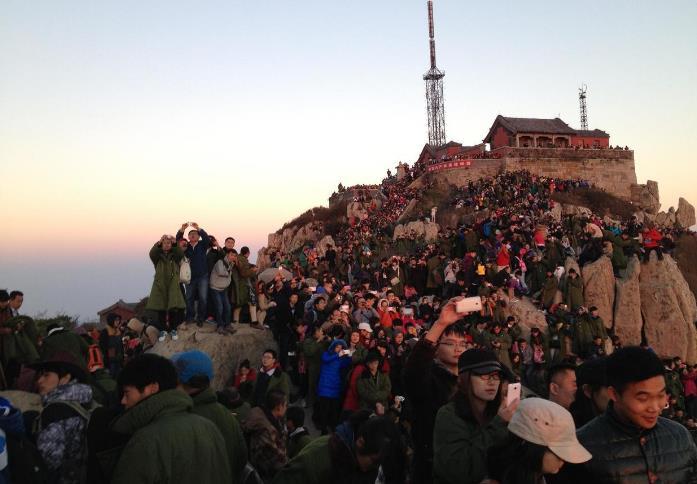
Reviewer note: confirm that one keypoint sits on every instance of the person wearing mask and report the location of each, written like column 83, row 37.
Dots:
column 631, row 442
column 474, row 420
column 162, row 428
column 195, row 373
column 267, row 435
column 199, row 242
column 561, row 384
column 541, row 438
column 430, row 377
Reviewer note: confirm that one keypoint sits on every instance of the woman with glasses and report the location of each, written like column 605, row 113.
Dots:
column 473, row 421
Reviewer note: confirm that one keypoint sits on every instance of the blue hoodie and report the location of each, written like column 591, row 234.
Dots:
column 330, row 382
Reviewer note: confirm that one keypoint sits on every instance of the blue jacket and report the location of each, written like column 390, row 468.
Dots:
column 330, row 382
column 197, row 255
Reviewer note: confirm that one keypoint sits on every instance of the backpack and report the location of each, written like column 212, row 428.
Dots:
column 95, row 359
column 185, row 271
column 24, row 461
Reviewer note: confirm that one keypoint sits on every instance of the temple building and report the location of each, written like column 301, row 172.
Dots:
column 542, row 133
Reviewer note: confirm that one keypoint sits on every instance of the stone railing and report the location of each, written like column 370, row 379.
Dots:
column 566, row 153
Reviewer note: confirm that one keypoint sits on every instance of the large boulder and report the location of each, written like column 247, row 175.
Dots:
column 527, row 315
column 628, row 321
column 417, row 226
column 327, row 240
column 306, row 233
column 555, row 212
column 399, row 231
column 356, row 210
column 264, row 258
column 599, row 288
column 411, row 206
column 685, row 215
column 669, row 309
column 226, row 351
column 646, row 196
column 575, row 210
column 431, row 231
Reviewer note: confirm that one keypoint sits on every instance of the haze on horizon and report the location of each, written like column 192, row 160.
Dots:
column 123, row 120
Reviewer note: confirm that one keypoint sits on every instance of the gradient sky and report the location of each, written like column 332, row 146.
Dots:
column 121, row 120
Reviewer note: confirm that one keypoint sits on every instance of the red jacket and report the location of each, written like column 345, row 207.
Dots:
column 652, row 238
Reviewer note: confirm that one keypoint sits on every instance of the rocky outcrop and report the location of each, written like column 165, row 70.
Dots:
column 327, row 240
column 666, row 219
column 357, row 211
column 226, row 351
column 685, row 215
column 527, row 315
column 426, row 230
column 646, row 196
column 556, row 212
column 627, row 315
column 599, row 288
column 669, row 309
column 575, row 210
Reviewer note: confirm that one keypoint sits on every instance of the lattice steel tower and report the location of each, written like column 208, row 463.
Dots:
column 582, row 101
column 434, row 91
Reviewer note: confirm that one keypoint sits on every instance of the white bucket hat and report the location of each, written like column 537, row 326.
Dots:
column 545, row 423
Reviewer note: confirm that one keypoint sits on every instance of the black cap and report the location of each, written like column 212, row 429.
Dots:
column 479, row 362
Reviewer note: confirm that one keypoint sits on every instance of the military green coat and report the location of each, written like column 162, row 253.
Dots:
column 165, row 293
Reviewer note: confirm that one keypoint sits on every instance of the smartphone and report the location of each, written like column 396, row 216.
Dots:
column 513, row 393
column 408, row 311
column 468, row 305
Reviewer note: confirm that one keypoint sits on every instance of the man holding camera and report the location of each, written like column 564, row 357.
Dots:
column 196, row 253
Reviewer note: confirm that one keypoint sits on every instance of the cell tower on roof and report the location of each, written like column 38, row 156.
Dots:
column 582, row 101
column 434, row 91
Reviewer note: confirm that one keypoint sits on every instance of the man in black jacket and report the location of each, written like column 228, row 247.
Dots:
column 196, row 253
column 631, row 442
column 430, row 376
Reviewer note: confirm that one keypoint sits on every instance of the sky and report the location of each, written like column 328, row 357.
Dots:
column 121, row 120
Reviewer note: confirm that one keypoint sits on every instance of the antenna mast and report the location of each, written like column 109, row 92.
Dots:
column 435, row 108
column 582, row 101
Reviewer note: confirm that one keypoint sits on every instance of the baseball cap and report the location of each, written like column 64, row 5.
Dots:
column 365, row 326
column 546, row 423
column 192, row 363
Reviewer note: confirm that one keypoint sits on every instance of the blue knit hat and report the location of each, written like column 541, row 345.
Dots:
column 192, row 363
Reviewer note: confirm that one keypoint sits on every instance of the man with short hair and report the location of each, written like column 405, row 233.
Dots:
column 195, row 372
column 166, row 438
column 270, row 377
column 267, row 435
column 196, row 253
column 561, row 384
column 430, row 377
column 16, row 301
column 631, row 442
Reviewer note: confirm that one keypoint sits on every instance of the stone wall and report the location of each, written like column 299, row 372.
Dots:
column 615, row 173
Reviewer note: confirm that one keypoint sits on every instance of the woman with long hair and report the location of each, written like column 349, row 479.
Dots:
column 541, row 438
column 473, row 421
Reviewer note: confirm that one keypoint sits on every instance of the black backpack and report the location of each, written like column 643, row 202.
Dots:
column 24, row 461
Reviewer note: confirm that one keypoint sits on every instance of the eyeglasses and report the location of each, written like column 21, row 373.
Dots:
column 450, row 344
column 491, row 376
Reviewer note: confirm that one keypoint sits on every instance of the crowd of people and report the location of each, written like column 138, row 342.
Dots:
column 397, row 384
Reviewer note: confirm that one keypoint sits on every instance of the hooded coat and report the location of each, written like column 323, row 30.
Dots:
column 169, row 444
column 61, row 437
column 206, row 405
column 330, row 381
column 165, row 293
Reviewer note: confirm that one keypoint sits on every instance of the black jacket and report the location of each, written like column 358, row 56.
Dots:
column 429, row 386
column 626, row 454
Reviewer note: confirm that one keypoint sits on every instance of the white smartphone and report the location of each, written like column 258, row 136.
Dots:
column 468, row 305
column 513, row 393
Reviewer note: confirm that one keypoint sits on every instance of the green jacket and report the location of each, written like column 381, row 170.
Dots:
column 65, row 340
column 279, row 381
column 165, row 293
column 20, row 346
column 206, row 405
column 573, row 293
column 460, row 446
column 549, row 291
column 297, row 442
column 313, row 465
column 241, row 276
column 583, row 335
column 372, row 390
column 169, row 444
column 501, row 352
